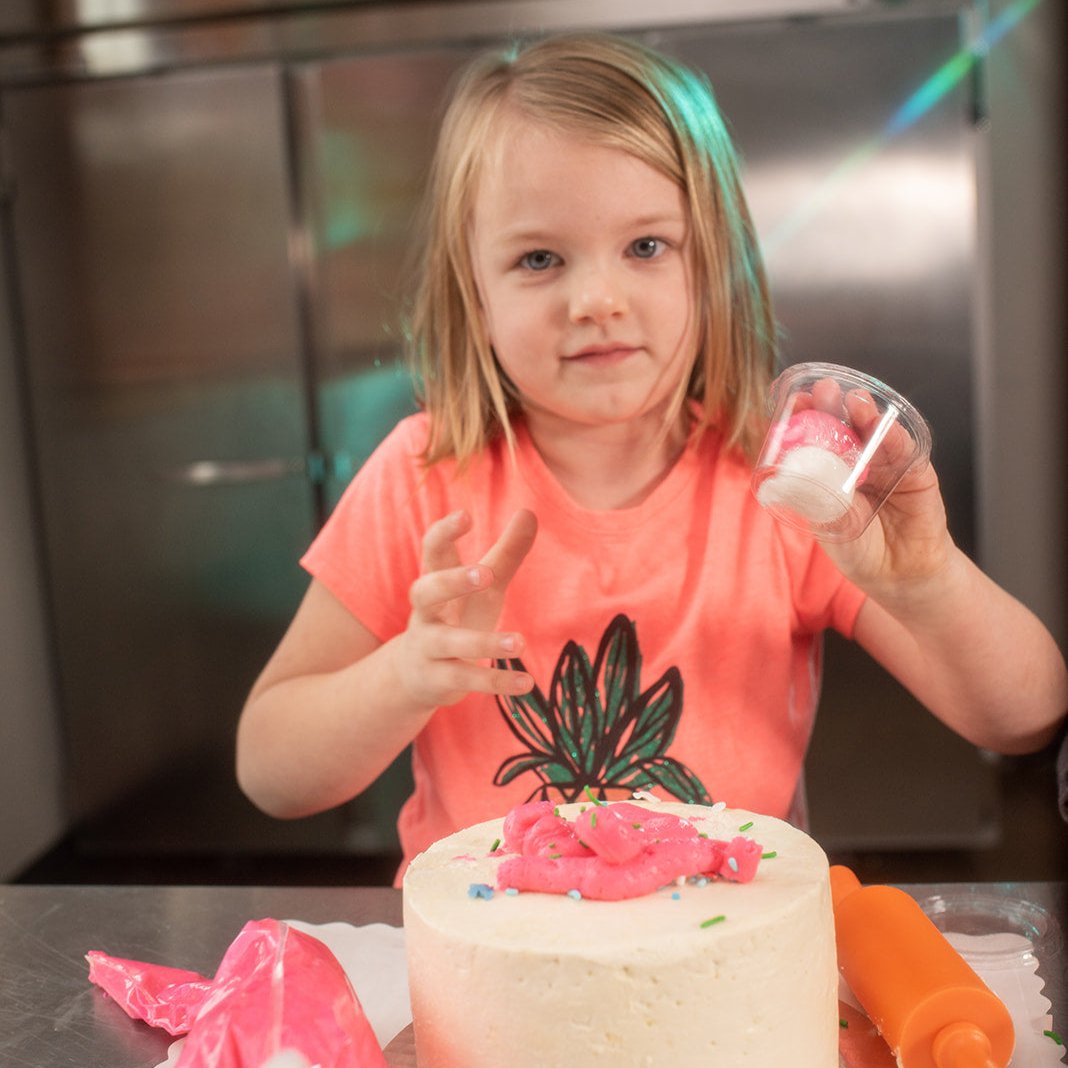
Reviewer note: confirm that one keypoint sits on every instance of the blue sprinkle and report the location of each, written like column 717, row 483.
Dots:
column 732, row 864
column 575, row 895
column 675, row 896
column 511, row 891
column 482, row 890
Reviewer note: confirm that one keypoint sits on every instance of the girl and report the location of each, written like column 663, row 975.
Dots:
column 555, row 578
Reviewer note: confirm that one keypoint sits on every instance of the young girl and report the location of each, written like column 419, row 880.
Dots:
column 555, row 578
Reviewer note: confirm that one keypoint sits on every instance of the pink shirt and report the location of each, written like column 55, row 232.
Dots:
column 675, row 645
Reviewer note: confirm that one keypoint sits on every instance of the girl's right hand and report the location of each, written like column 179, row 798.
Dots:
column 451, row 631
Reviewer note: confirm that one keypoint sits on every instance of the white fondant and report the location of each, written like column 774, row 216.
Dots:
column 809, row 481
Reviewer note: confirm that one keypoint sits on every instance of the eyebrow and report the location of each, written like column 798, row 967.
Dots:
column 639, row 222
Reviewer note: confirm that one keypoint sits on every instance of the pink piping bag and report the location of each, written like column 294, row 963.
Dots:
column 277, row 989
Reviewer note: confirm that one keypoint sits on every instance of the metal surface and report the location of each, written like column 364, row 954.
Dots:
column 51, row 1015
column 145, row 35
column 150, row 223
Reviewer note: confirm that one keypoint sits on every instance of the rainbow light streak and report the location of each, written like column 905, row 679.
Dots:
column 934, row 89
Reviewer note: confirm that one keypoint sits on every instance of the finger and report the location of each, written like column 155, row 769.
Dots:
column 439, row 542
column 512, row 547
column 450, row 680
column 441, row 641
column 827, row 396
column 433, row 590
column 895, row 446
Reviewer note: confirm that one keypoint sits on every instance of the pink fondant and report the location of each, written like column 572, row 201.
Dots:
column 822, row 429
column 614, row 851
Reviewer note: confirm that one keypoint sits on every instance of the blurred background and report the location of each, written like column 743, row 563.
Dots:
column 205, row 214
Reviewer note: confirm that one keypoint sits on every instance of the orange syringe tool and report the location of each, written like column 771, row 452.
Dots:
column 926, row 1001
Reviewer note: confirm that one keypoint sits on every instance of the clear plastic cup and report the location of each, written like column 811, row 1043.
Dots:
column 838, row 444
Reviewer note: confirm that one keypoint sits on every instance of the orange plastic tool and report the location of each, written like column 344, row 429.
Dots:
column 927, row 1002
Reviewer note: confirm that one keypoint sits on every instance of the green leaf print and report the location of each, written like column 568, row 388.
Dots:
column 597, row 729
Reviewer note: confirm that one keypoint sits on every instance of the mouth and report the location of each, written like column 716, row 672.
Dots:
column 611, row 352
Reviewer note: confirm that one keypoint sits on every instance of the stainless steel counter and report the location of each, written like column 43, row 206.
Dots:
column 51, row 1016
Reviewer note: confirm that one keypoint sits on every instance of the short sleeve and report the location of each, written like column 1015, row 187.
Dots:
column 823, row 596
column 369, row 550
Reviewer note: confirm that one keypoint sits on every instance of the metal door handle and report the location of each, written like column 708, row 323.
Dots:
column 226, row 472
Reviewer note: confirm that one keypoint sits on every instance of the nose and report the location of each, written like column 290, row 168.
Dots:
column 597, row 296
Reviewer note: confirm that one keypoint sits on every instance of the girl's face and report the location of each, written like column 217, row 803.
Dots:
column 581, row 256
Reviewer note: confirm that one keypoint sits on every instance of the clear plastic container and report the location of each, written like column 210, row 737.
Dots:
column 838, row 444
column 992, row 928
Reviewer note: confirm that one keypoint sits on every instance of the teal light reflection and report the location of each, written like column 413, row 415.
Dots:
column 926, row 97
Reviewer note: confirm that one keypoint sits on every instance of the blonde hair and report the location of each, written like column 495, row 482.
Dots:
column 619, row 94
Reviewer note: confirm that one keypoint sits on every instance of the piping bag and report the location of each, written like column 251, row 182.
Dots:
column 927, row 1002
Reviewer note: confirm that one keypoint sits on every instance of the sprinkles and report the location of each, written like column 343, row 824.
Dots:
column 768, row 856
column 496, row 845
column 1054, row 1036
column 480, row 890
column 713, row 921
column 746, row 826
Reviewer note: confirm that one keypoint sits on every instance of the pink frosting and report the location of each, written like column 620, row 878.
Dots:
column 614, row 851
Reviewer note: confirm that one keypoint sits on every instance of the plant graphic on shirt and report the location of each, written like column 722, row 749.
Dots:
column 597, row 728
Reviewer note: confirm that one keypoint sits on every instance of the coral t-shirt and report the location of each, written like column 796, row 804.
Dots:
column 675, row 645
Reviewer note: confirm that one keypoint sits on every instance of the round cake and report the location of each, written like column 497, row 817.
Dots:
column 729, row 964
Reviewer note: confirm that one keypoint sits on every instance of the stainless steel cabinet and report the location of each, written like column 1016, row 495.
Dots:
column 168, row 391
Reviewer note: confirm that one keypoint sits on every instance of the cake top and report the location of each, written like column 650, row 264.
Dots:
column 471, row 880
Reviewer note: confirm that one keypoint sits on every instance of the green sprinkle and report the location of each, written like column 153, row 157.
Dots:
column 701, row 834
column 1056, row 1038
column 746, row 826
column 714, row 920
column 555, row 856
column 589, row 794
column 768, row 856
column 496, row 845
column 593, row 819
column 636, row 826
column 843, row 1023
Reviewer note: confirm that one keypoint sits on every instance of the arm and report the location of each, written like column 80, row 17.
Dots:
column 307, row 739
column 334, row 705
column 976, row 657
column 970, row 652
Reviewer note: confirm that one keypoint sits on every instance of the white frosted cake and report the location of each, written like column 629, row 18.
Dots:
column 704, row 970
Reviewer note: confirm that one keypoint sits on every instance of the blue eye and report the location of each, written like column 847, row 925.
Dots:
column 538, row 260
column 647, row 248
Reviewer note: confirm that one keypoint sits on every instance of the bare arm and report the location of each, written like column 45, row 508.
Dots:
column 334, row 705
column 976, row 657
column 969, row 651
